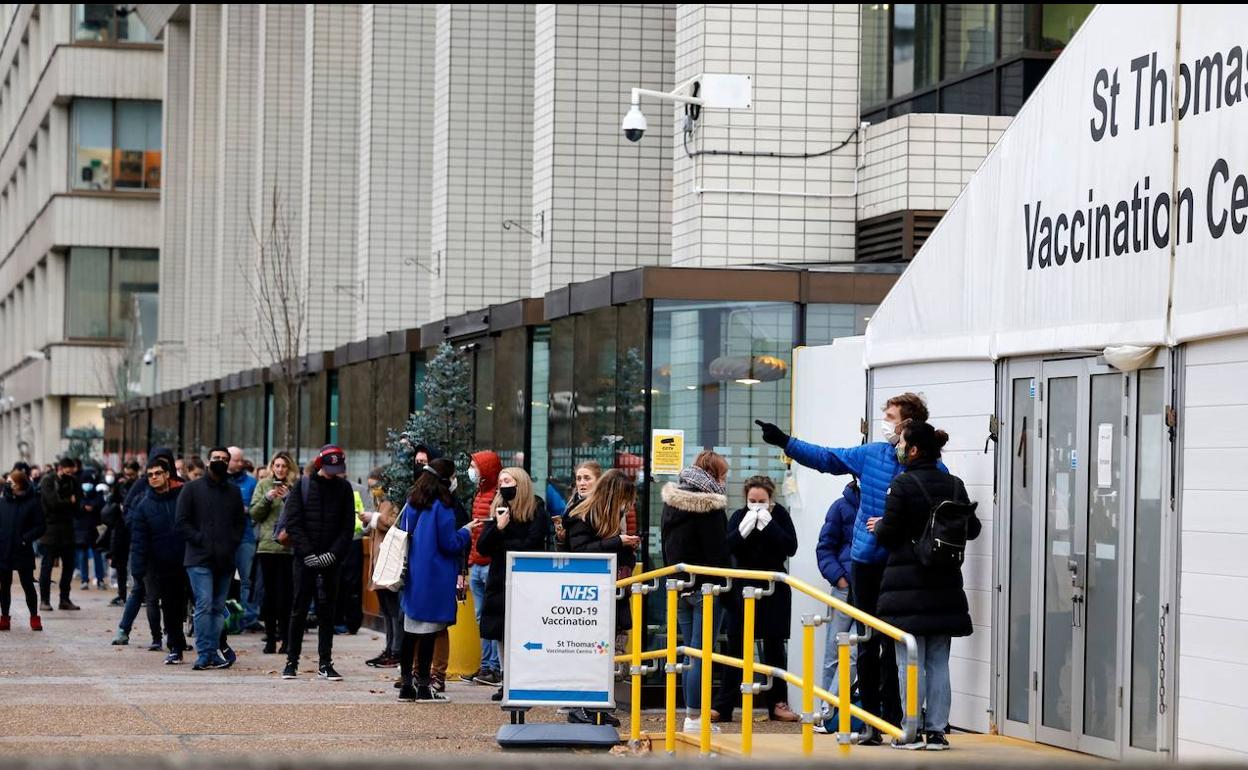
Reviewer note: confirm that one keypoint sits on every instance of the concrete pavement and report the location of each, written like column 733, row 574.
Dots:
column 67, row 690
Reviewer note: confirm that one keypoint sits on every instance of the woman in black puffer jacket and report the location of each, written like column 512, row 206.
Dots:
column 925, row 601
column 21, row 524
column 518, row 522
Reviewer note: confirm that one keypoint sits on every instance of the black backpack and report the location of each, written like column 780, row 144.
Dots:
column 943, row 542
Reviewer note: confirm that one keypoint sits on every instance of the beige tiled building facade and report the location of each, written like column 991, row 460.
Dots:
column 429, row 161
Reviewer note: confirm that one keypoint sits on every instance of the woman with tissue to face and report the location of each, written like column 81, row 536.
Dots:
column 761, row 536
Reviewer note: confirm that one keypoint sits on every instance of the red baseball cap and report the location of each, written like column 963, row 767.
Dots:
column 332, row 459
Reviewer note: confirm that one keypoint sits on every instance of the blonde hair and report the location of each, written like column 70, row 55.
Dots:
column 607, row 503
column 524, row 505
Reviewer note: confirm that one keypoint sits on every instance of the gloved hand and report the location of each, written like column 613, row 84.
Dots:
column 764, row 518
column 320, row 560
column 748, row 522
column 772, row 434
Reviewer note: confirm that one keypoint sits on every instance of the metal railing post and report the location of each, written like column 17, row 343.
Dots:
column 634, row 728
column 749, row 598
column 708, row 650
column 671, row 668
column 911, row 726
column 808, row 682
column 844, row 698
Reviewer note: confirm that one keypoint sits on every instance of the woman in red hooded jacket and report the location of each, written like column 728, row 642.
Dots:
column 483, row 472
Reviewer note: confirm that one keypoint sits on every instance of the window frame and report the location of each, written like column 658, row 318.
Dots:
column 75, row 169
column 79, row 16
column 114, row 255
column 889, row 108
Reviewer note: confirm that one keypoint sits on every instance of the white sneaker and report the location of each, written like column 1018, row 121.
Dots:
column 693, row 725
column 918, row 744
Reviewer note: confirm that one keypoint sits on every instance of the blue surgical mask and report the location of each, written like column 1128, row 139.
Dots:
column 87, row 487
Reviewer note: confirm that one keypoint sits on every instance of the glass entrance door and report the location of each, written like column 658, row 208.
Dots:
column 1080, row 580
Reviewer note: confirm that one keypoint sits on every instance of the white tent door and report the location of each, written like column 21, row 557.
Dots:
column 1084, row 474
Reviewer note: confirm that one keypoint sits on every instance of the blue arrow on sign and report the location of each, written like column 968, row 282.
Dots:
column 532, row 645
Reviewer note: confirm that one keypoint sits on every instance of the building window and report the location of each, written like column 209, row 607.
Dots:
column 108, row 24
column 116, row 145
column 970, row 37
column 981, row 59
column 828, row 322
column 916, row 47
column 100, row 290
column 875, row 52
column 331, row 427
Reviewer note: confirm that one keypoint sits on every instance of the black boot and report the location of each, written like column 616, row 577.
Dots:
column 407, row 693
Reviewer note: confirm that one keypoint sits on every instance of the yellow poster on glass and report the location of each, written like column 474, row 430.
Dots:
column 667, row 452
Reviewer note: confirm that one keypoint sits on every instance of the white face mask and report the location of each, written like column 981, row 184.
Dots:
column 474, row 475
column 454, row 483
column 109, row 479
column 756, row 507
column 888, row 431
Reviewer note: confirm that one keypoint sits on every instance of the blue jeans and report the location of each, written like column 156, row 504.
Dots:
column 840, row 623
column 130, row 612
column 244, row 555
column 211, row 589
column 689, row 621
column 935, row 692
column 477, row 575
column 86, row 556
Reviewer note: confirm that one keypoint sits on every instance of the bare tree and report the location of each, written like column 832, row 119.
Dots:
column 115, row 379
column 280, row 306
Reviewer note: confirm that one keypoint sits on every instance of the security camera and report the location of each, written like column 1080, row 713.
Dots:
column 149, row 357
column 634, row 124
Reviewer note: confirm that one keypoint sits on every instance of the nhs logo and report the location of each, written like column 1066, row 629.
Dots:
column 571, row 593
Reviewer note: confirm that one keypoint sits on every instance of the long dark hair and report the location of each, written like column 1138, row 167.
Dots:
column 432, row 487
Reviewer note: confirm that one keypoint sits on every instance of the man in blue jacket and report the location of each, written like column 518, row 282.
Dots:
column 875, row 465
column 836, row 540
column 157, row 550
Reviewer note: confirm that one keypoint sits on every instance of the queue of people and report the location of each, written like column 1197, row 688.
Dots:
column 184, row 530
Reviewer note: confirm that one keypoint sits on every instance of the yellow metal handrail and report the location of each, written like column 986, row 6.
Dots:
column 646, row 582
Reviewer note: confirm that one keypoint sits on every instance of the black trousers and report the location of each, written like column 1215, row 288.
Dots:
column 167, row 592
column 275, row 609
column 774, row 654
column 877, row 668
column 26, row 575
column 121, row 562
column 51, row 553
column 350, row 611
column 420, row 647
column 323, row 584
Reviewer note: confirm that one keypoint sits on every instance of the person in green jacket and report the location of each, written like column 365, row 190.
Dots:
column 267, row 504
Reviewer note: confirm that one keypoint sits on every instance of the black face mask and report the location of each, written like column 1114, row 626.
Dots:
column 507, row 493
column 218, row 467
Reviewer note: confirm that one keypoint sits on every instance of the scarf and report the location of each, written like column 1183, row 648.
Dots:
column 695, row 477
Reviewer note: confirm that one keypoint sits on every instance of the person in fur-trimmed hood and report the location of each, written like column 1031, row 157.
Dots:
column 695, row 532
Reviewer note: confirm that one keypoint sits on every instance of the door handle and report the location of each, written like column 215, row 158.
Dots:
column 1076, row 594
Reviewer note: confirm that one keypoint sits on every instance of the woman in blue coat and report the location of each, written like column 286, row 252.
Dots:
column 435, row 548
